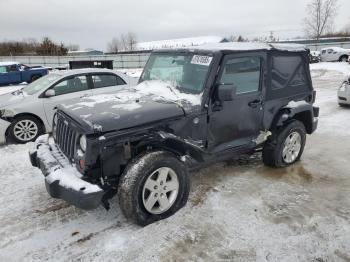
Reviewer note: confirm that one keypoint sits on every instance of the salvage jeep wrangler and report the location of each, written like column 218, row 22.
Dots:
column 192, row 107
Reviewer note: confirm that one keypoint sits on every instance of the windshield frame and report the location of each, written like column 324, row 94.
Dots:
column 183, row 52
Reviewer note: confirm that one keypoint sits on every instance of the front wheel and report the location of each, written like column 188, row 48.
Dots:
column 343, row 58
column 153, row 187
column 25, row 129
column 286, row 146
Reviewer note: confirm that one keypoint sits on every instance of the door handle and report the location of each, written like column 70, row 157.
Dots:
column 255, row 103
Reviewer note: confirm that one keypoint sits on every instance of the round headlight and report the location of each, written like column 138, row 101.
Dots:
column 82, row 143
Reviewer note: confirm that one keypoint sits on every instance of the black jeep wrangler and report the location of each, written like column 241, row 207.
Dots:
column 192, row 107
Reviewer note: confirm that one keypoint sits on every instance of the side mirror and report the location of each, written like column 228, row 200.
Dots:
column 50, row 93
column 226, row 92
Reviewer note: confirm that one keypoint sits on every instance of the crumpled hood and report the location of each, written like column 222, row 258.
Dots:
column 146, row 103
column 109, row 116
column 11, row 99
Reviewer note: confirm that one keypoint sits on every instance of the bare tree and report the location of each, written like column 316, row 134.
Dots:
column 123, row 42
column 114, row 46
column 131, row 41
column 73, row 47
column 321, row 14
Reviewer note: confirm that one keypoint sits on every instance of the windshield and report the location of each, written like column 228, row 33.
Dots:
column 187, row 72
column 40, row 84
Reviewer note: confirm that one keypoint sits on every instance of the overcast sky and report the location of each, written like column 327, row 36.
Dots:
column 93, row 23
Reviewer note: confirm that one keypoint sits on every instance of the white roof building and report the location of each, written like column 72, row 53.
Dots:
column 179, row 43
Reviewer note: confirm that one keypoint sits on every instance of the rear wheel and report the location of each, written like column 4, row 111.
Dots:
column 33, row 78
column 286, row 146
column 153, row 187
column 25, row 129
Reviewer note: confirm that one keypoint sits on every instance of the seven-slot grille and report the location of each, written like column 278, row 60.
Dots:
column 66, row 138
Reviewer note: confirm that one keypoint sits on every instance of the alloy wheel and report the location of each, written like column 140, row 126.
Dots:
column 291, row 148
column 160, row 190
column 25, row 130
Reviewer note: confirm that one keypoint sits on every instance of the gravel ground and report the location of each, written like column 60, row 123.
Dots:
column 238, row 211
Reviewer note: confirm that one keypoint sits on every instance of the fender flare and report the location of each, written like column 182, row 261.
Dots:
column 302, row 111
column 191, row 150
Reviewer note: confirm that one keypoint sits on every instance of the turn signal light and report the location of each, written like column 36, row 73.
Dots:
column 81, row 164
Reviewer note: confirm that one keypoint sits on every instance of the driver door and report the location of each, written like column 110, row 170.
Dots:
column 69, row 88
column 236, row 123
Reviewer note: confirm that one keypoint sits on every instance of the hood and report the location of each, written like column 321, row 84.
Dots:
column 145, row 103
column 12, row 98
column 108, row 116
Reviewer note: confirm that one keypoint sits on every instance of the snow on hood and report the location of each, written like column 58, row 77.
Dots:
column 128, row 98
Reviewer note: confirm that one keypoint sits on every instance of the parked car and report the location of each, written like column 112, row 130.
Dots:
column 334, row 54
column 344, row 93
column 15, row 73
column 192, row 107
column 315, row 57
column 27, row 113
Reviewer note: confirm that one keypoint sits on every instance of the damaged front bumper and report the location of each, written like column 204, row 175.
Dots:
column 62, row 180
column 3, row 127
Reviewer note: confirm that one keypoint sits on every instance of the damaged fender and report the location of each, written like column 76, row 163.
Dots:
column 302, row 111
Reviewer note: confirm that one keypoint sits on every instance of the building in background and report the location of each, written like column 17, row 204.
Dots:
column 179, row 43
column 85, row 52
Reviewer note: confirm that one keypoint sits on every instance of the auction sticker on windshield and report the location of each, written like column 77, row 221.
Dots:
column 201, row 60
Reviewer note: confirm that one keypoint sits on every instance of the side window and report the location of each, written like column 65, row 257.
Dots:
column 324, row 52
column 243, row 72
column 74, row 84
column 330, row 51
column 107, row 80
column 13, row 68
column 3, row 69
column 287, row 72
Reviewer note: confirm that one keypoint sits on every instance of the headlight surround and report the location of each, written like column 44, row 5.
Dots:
column 82, row 143
column 6, row 113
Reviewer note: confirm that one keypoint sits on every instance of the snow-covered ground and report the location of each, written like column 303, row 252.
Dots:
column 238, row 211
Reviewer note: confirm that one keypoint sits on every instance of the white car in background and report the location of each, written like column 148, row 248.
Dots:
column 344, row 94
column 333, row 54
column 28, row 112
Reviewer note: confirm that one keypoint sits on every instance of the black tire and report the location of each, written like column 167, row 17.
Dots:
column 134, row 177
column 13, row 128
column 343, row 58
column 33, row 78
column 272, row 150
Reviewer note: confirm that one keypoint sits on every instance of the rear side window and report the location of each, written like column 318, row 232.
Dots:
column 287, row 72
column 288, row 76
column 324, row 52
column 3, row 69
column 105, row 80
column 243, row 72
column 71, row 85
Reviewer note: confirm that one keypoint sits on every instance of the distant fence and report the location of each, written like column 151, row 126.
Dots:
column 119, row 60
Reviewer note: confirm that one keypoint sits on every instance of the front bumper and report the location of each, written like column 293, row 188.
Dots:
column 62, row 180
column 3, row 127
